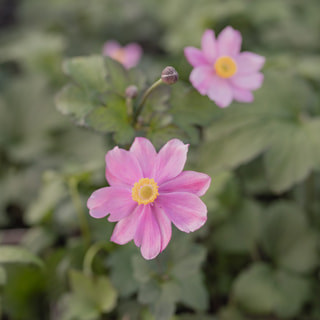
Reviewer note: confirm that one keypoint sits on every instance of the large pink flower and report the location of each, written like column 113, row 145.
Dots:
column 148, row 191
column 128, row 55
column 221, row 71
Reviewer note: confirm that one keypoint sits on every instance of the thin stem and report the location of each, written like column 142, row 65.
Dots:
column 76, row 200
column 90, row 254
column 144, row 98
column 129, row 106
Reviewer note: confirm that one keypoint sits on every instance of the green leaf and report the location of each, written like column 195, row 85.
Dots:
column 149, row 292
column 295, row 292
column 107, row 118
column 52, row 191
column 190, row 110
column 112, row 118
column 25, row 285
column 117, row 76
column 143, row 270
column 291, row 158
column 156, row 289
column 163, row 308
column 231, row 313
column 97, row 291
column 279, row 122
column 121, row 273
column 289, row 239
column 75, row 102
column 3, row 277
column 160, row 134
column 16, row 254
column 73, row 308
column 188, row 264
column 193, row 293
column 255, row 289
column 262, row 290
column 236, row 146
column 313, row 129
column 178, row 268
column 196, row 317
column 33, row 47
column 241, row 231
column 37, row 239
column 158, row 100
column 187, row 275
column 88, row 72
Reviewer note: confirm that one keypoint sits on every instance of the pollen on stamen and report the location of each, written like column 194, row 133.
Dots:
column 145, row 191
column 225, row 67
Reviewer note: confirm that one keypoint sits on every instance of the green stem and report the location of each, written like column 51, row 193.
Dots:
column 76, row 200
column 129, row 106
column 90, row 254
column 144, row 98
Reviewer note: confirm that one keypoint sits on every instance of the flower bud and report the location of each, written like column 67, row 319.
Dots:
column 131, row 91
column 169, row 75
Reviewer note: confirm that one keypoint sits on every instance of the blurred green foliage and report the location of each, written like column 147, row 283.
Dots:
column 256, row 258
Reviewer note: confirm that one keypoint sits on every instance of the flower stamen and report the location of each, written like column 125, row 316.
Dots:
column 145, row 191
column 225, row 67
column 119, row 55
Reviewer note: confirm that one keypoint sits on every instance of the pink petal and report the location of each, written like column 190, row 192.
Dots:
column 110, row 47
column 195, row 57
column 200, row 78
column 96, row 199
column 133, row 53
column 148, row 234
column 229, row 42
column 125, row 229
column 146, row 154
column 170, row 160
column 209, row 46
column 187, row 181
column 249, row 62
column 164, row 224
column 250, row 81
column 185, row 210
column 116, row 201
column 220, row 91
column 122, row 167
column 242, row 95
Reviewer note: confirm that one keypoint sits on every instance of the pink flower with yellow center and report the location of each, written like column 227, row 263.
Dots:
column 128, row 55
column 221, row 71
column 148, row 191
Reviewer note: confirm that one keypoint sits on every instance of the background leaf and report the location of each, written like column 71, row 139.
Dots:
column 288, row 238
column 95, row 291
column 17, row 254
column 262, row 290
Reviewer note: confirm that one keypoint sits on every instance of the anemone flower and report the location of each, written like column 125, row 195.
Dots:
column 147, row 192
column 128, row 55
column 221, row 71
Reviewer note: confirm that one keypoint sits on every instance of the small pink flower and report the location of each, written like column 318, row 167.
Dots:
column 221, row 71
column 148, row 191
column 128, row 55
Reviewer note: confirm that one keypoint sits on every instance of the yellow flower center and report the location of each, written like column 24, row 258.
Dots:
column 145, row 191
column 119, row 55
column 225, row 67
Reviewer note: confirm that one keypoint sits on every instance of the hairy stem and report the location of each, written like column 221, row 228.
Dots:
column 144, row 98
